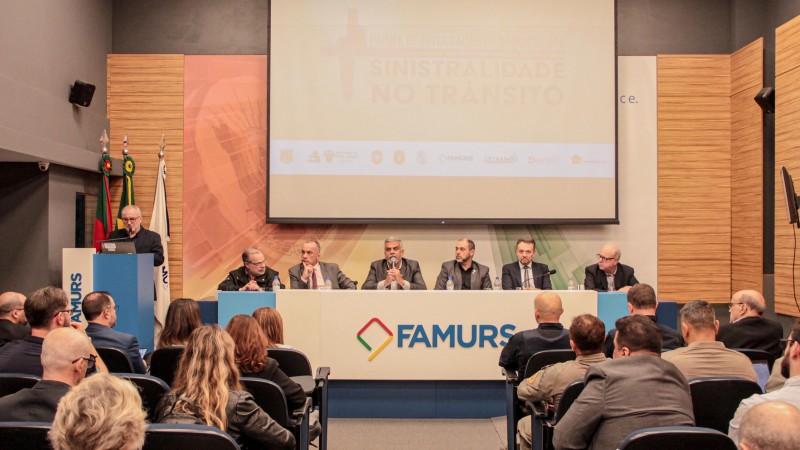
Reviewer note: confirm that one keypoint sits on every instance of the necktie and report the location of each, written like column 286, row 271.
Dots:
column 314, row 279
column 527, row 282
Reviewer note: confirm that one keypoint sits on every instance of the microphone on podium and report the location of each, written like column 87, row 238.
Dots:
column 548, row 273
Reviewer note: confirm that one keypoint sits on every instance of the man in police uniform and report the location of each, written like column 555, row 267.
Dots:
column 586, row 335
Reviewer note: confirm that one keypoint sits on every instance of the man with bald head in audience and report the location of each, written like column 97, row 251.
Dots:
column 703, row 355
column 13, row 324
column 790, row 392
column 549, row 335
column 66, row 357
column 46, row 309
column 608, row 274
column 770, row 426
column 748, row 329
column 642, row 301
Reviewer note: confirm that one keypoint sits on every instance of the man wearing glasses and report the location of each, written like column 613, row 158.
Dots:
column 47, row 309
column 608, row 274
column 747, row 327
column 66, row 358
column 254, row 275
column 144, row 240
column 100, row 311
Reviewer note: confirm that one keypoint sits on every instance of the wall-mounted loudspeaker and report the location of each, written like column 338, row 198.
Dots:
column 766, row 99
column 81, row 93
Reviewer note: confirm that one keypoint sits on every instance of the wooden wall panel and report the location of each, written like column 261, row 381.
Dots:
column 694, row 184
column 787, row 153
column 145, row 100
column 747, row 169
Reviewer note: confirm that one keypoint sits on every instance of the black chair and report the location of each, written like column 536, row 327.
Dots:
column 543, row 421
column 535, row 364
column 14, row 382
column 758, row 356
column 164, row 363
column 115, row 359
column 25, row 435
column 715, row 399
column 196, row 437
column 321, row 402
column 672, row 438
column 151, row 389
column 270, row 397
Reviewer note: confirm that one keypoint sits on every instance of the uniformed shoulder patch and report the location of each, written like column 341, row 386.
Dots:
column 537, row 377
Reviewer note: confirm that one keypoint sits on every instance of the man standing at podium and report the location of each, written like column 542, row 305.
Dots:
column 254, row 275
column 467, row 274
column 394, row 271
column 144, row 240
column 311, row 273
column 526, row 274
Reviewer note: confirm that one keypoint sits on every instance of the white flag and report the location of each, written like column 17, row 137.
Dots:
column 159, row 222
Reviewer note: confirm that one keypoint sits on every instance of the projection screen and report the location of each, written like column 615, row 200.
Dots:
column 442, row 111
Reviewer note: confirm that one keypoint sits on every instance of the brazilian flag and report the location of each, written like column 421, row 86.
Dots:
column 128, row 168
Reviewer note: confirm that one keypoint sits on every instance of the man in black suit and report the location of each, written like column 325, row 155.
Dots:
column 254, row 275
column 599, row 276
column 642, row 301
column 526, row 274
column 13, row 325
column 100, row 311
column 748, row 329
column 394, row 271
column 66, row 356
column 144, row 240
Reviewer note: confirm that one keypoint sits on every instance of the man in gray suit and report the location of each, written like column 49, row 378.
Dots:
column 467, row 274
column 311, row 273
column 394, row 271
column 636, row 390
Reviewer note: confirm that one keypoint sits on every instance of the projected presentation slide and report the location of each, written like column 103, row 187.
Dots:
column 439, row 110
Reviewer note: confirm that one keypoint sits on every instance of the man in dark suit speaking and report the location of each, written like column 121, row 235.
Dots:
column 311, row 273
column 608, row 274
column 100, row 311
column 526, row 274
column 394, row 271
column 144, row 240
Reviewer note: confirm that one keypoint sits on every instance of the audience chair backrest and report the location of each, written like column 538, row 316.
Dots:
column 571, row 393
column 196, row 437
column 292, row 362
column 164, row 363
column 151, row 389
column 115, row 359
column 757, row 356
column 715, row 399
column 11, row 383
column 546, row 358
column 270, row 397
column 25, row 435
column 677, row 438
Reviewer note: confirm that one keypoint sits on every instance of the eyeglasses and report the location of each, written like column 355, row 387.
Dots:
column 63, row 311
column 604, row 259
column 732, row 304
column 789, row 341
column 260, row 264
column 89, row 361
column 130, row 219
column 115, row 307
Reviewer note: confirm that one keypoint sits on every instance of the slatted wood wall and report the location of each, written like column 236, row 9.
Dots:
column 694, row 177
column 747, row 169
column 145, row 100
column 787, row 153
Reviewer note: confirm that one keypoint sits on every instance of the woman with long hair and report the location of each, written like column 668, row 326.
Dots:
column 183, row 317
column 270, row 320
column 207, row 388
column 253, row 360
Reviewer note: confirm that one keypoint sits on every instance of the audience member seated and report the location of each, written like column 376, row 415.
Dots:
column 102, row 413
column 13, row 324
column 207, row 390
column 311, row 273
column 776, row 380
column 394, row 271
column 271, row 322
column 550, row 335
column 183, row 317
column 100, row 310
column 790, row 392
column 254, row 275
column 524, row 273
column 608, row 275
column 748, row 329
column 703, row 355
column 586, row 335
column 642, row 301
column 66, row 358
column 636, row 390
column 46, row 309
column 770, row 426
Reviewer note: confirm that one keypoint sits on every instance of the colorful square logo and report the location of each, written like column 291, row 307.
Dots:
column 386, row 342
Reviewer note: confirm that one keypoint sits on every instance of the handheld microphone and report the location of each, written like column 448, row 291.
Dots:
column 393, row 261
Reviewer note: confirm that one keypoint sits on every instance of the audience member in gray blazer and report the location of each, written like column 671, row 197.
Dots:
column 479, row 278
column 635, row 390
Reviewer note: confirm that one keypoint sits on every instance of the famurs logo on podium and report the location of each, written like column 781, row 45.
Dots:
column 385, row 342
